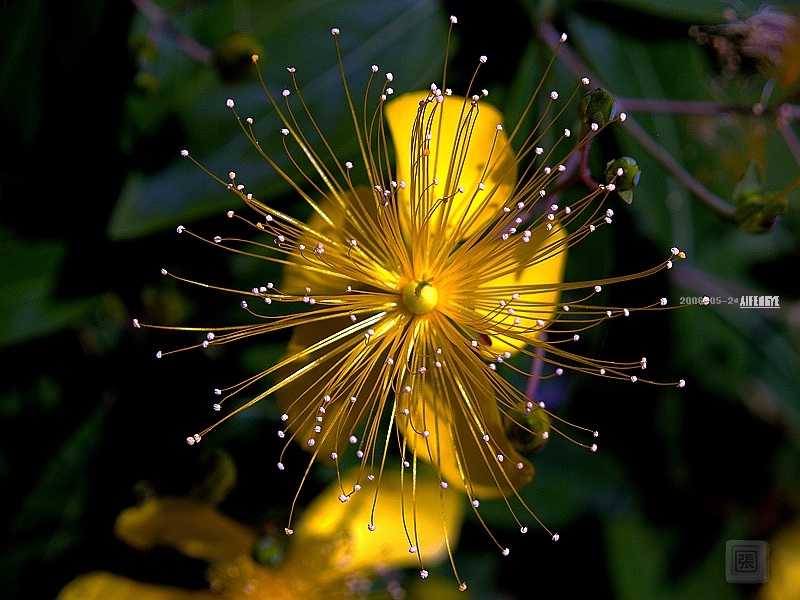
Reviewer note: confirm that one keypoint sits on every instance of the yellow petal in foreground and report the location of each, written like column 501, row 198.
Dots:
column 196, row 530
column 106, row 586
column 784, row 566
column 408, row 521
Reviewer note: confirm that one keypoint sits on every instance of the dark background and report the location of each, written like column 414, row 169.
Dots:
column 89, row 418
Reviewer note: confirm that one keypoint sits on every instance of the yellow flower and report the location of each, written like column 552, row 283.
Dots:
column 784, row 565
column 427, row 271
column 332, row 556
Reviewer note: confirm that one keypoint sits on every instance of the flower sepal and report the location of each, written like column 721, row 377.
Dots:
column 757, row 211
column 624, row 173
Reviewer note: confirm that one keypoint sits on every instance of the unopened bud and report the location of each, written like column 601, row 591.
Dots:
column 624, row 173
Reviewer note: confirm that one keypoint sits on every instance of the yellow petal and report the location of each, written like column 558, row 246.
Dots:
column 331, row 222
column 454, row 423
column 197, row 530
column 465, row 151
column 105, row 586
column 784, row 566
column 533, row 304
column 338, row 534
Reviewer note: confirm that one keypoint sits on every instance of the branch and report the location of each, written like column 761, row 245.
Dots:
column 163, row 22
column 722, row 208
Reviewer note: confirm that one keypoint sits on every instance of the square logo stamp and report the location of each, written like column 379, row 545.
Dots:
column 746, row 561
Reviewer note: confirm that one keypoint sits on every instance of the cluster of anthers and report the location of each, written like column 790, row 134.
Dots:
column 430, row 269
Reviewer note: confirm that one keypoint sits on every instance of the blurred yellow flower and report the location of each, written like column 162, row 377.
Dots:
column 427, row 272
column 784, row 566
column 332, row 556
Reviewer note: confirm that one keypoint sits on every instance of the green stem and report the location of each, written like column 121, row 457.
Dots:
column 162, row 21
column 723, row 209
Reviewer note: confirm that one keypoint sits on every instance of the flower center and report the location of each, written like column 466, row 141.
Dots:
column 420, row 296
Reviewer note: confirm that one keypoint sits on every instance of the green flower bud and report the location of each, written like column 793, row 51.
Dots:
column 233, row 58
column 597, row 106
column 528, row 432
column 270, row 550
column 147, row 84
column 624, row 173
column 142, row 49
column 757, row 211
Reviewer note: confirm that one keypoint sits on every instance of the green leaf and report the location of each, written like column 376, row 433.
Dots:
column 641, row 562
column 637, row 557
column 698, row 11
column 195, row 97
column 28, row 308
column 570, row 482
column 49, row 521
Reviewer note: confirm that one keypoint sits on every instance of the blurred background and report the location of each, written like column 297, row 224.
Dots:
column 99, row 97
